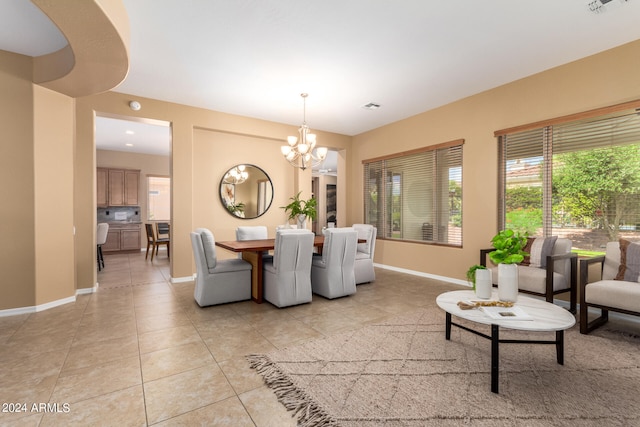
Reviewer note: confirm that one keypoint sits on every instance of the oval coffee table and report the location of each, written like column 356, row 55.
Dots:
column 546, row 317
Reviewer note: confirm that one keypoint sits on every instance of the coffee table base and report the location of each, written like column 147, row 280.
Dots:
column 495, row 346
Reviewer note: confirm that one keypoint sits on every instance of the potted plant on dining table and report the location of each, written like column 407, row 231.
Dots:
column 301, row 210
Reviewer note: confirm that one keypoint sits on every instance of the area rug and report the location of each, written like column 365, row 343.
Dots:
column 404, row 373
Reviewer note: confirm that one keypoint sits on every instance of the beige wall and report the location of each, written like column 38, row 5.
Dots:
column 148, row 164
column 605, row 79
column 17, row 210
column 36, row 168
column 53, row 164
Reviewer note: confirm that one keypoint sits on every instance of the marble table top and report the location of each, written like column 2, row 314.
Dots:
column 546, row 316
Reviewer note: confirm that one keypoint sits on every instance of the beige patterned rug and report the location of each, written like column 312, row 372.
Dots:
column 404, row 373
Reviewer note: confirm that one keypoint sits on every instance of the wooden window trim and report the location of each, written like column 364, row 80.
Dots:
column 571, row 118
column 449, row 144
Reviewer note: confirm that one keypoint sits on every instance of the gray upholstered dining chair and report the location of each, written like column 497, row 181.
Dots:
column 287, row 276
column 102, row 230
column 218, row 281
column 332, row 272
column 364, row 270
column 252, row 232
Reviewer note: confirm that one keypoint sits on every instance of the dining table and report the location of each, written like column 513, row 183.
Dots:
column 253, row 251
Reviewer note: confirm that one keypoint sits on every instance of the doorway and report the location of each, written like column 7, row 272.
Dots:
column 135, row 144
column 324, row 184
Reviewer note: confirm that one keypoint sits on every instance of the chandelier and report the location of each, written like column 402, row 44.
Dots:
column 236, row 175
column 299, row 152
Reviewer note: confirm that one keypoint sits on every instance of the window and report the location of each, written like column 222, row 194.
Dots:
column 578, row 179
column 416, row 196
column 158, row 198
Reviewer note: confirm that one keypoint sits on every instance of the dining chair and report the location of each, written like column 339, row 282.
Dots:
column 218, row 281
column 154, row 243
column 364, row 270
column 287, row 276
column 332, row 272
column 162, row 230
column 252, row 232
column 101, row 238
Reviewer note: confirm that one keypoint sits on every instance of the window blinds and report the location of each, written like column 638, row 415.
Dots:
column 416, row 196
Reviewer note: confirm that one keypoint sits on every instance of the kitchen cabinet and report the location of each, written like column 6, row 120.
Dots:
column 102, row 193
column 123, row 237
column 117, row 187
column 123, row 187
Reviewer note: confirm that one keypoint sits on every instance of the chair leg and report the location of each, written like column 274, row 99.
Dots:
column 101, row 256
column 147, row 254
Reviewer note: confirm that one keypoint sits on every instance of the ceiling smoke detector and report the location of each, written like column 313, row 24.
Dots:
column 371, row 106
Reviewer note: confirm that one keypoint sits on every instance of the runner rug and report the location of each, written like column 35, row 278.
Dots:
column 404, row 373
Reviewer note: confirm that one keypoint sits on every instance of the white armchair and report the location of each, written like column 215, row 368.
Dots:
column 363, row 267
column 287, row 276
column 618, row 288
column 332, row 273
column 218, row 281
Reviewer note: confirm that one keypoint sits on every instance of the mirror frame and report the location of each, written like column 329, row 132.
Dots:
column 269, row 187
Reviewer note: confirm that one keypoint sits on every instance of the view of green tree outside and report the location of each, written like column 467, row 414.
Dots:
column 595, row 196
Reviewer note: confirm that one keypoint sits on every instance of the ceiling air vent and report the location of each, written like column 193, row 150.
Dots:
column 371, row 106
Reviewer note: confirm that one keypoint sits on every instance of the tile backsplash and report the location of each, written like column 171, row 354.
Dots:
column 120, row 213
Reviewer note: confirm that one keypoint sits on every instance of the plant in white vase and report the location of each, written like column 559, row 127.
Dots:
column 508, row 252
column 301, row 210
column 480, row 278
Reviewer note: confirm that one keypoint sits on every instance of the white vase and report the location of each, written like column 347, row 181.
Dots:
column 484, row 283
column 508, row 282
column 302, row 221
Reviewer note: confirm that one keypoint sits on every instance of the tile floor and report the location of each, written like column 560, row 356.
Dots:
column 140, row 351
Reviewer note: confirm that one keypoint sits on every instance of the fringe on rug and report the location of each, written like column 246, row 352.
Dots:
column 294, row 399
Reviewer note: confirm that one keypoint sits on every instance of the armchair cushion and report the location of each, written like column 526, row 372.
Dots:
column 534, row 280
column 539, row 248
column 629, row 269
column 614, row 293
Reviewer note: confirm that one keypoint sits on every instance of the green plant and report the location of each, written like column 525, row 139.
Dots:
column 235, row 208
column 471, row 274
column 301, row 207
column 508, row 247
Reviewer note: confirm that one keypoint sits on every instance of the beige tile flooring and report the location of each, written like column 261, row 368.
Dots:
column 140, row 351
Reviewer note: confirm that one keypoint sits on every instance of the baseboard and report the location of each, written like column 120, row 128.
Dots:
column 36, row 308
column 84, row 291
column 183, row 279
column 423, row 274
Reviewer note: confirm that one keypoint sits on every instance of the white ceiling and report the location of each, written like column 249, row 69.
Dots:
column 119, row 134
column 255, row 57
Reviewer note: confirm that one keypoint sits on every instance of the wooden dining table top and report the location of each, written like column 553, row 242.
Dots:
column 257, row 245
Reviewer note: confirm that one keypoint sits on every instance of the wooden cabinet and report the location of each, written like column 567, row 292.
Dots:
column 117, row 187
column 102, row 193
column 123, row 237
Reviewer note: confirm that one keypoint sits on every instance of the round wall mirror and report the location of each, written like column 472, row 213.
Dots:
column 246, row 191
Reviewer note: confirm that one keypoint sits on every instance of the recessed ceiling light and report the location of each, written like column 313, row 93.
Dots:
column 371, row 106
column 129, row 132
column 129, row 144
